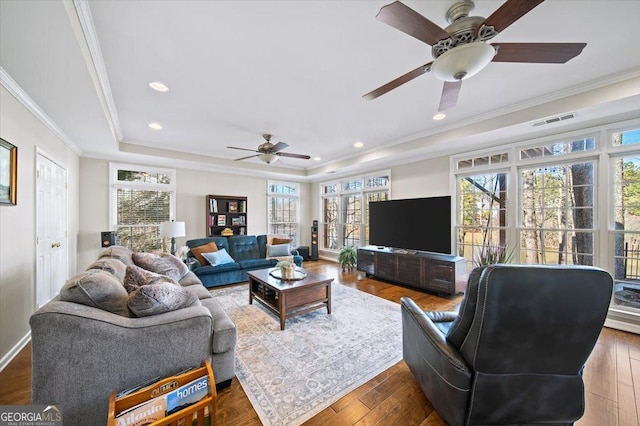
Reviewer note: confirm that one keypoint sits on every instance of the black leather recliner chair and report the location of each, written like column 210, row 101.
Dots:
column 516, row 351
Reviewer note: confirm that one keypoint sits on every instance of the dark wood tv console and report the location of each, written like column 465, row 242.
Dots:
column 441, row 273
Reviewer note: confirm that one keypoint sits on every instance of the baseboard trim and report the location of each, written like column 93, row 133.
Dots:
column 622, row 325
column 8, row 357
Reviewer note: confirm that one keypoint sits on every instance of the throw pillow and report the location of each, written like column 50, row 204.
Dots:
column 219, row 257
column 207, row 248
column 276, row 250
column 164, row 264
column 98, row 289
column 113, row 266
column 118, row 252
column 159, row 298
column 136, row 277
column 277, row 241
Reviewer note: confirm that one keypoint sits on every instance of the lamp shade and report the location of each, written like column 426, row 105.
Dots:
column 463, row 61
column 172, row 229
column 268, row 158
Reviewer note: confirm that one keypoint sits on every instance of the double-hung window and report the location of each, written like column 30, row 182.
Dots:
column 283, row 209
column 140, row 199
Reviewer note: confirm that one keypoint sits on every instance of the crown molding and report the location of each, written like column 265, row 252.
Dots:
column 15, row 89
column 95, row 62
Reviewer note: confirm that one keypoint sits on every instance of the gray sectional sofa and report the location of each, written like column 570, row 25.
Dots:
column 249, row 252
column 84, row 349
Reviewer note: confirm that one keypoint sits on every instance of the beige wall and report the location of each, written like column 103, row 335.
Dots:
column 17, row 223
column 192, row 187
column 428, row 178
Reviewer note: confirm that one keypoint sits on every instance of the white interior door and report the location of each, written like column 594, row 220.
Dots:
column 51, row 228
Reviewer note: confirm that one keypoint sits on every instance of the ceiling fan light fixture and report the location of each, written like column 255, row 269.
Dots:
column 268, row 158
column 440, row 116
column 463, row 61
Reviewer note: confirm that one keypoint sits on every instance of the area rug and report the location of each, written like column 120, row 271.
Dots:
column 291, row 375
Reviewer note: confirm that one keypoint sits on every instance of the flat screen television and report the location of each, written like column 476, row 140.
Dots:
column 416, row 223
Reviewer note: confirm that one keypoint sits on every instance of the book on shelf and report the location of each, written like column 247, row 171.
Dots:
column 242, row 207
column 243, row 220
column 213, row 205
column 243, row 231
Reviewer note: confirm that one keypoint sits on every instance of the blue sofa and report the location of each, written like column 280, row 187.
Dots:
column 248, row 251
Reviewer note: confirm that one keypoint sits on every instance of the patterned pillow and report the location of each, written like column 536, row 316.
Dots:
column 164, row 264
column 207, row 248
column 113, row 266
column 159, row 298
column 98, row 289
column 136, row 277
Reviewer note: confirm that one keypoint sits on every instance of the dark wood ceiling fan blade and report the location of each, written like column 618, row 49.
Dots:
column 450, row 92
column 244, row 158
column 288, row 154
column 398, row 81
column 411, row 22
column 543, row 53
column 508, row 13
column 242, row 149
column 279, row 146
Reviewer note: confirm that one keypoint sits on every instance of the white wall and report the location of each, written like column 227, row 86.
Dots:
column 192, row 187
column 17, row 223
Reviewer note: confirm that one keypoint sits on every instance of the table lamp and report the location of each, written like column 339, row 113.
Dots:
column 172, row 230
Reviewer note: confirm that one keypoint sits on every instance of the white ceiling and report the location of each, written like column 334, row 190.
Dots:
column 298, row 70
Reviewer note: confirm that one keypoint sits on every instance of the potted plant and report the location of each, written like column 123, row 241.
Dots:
column 348, row 257
column 488, row 255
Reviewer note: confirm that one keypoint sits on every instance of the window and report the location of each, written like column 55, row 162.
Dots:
column 482, row 214
column 141, row 199
column 283, row 206
column 557, row 214
column 625, row 212
column 345, row 209
column 629, row 137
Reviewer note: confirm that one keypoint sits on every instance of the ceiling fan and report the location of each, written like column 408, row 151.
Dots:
column 268, row 152
column 461, row 50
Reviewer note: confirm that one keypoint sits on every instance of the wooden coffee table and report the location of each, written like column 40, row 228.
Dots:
column 287, row 299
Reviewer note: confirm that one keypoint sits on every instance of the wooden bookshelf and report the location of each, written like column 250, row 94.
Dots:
column 226, row 212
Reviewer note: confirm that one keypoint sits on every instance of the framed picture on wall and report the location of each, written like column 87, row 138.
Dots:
column 8, row 172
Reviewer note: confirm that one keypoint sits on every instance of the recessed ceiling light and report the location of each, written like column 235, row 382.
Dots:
column 317, row 158
column 155, row 126
column 358, row 144
column 160, row 87
column 439, row 116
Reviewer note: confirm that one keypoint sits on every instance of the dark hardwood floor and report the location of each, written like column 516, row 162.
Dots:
column 393, row 397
